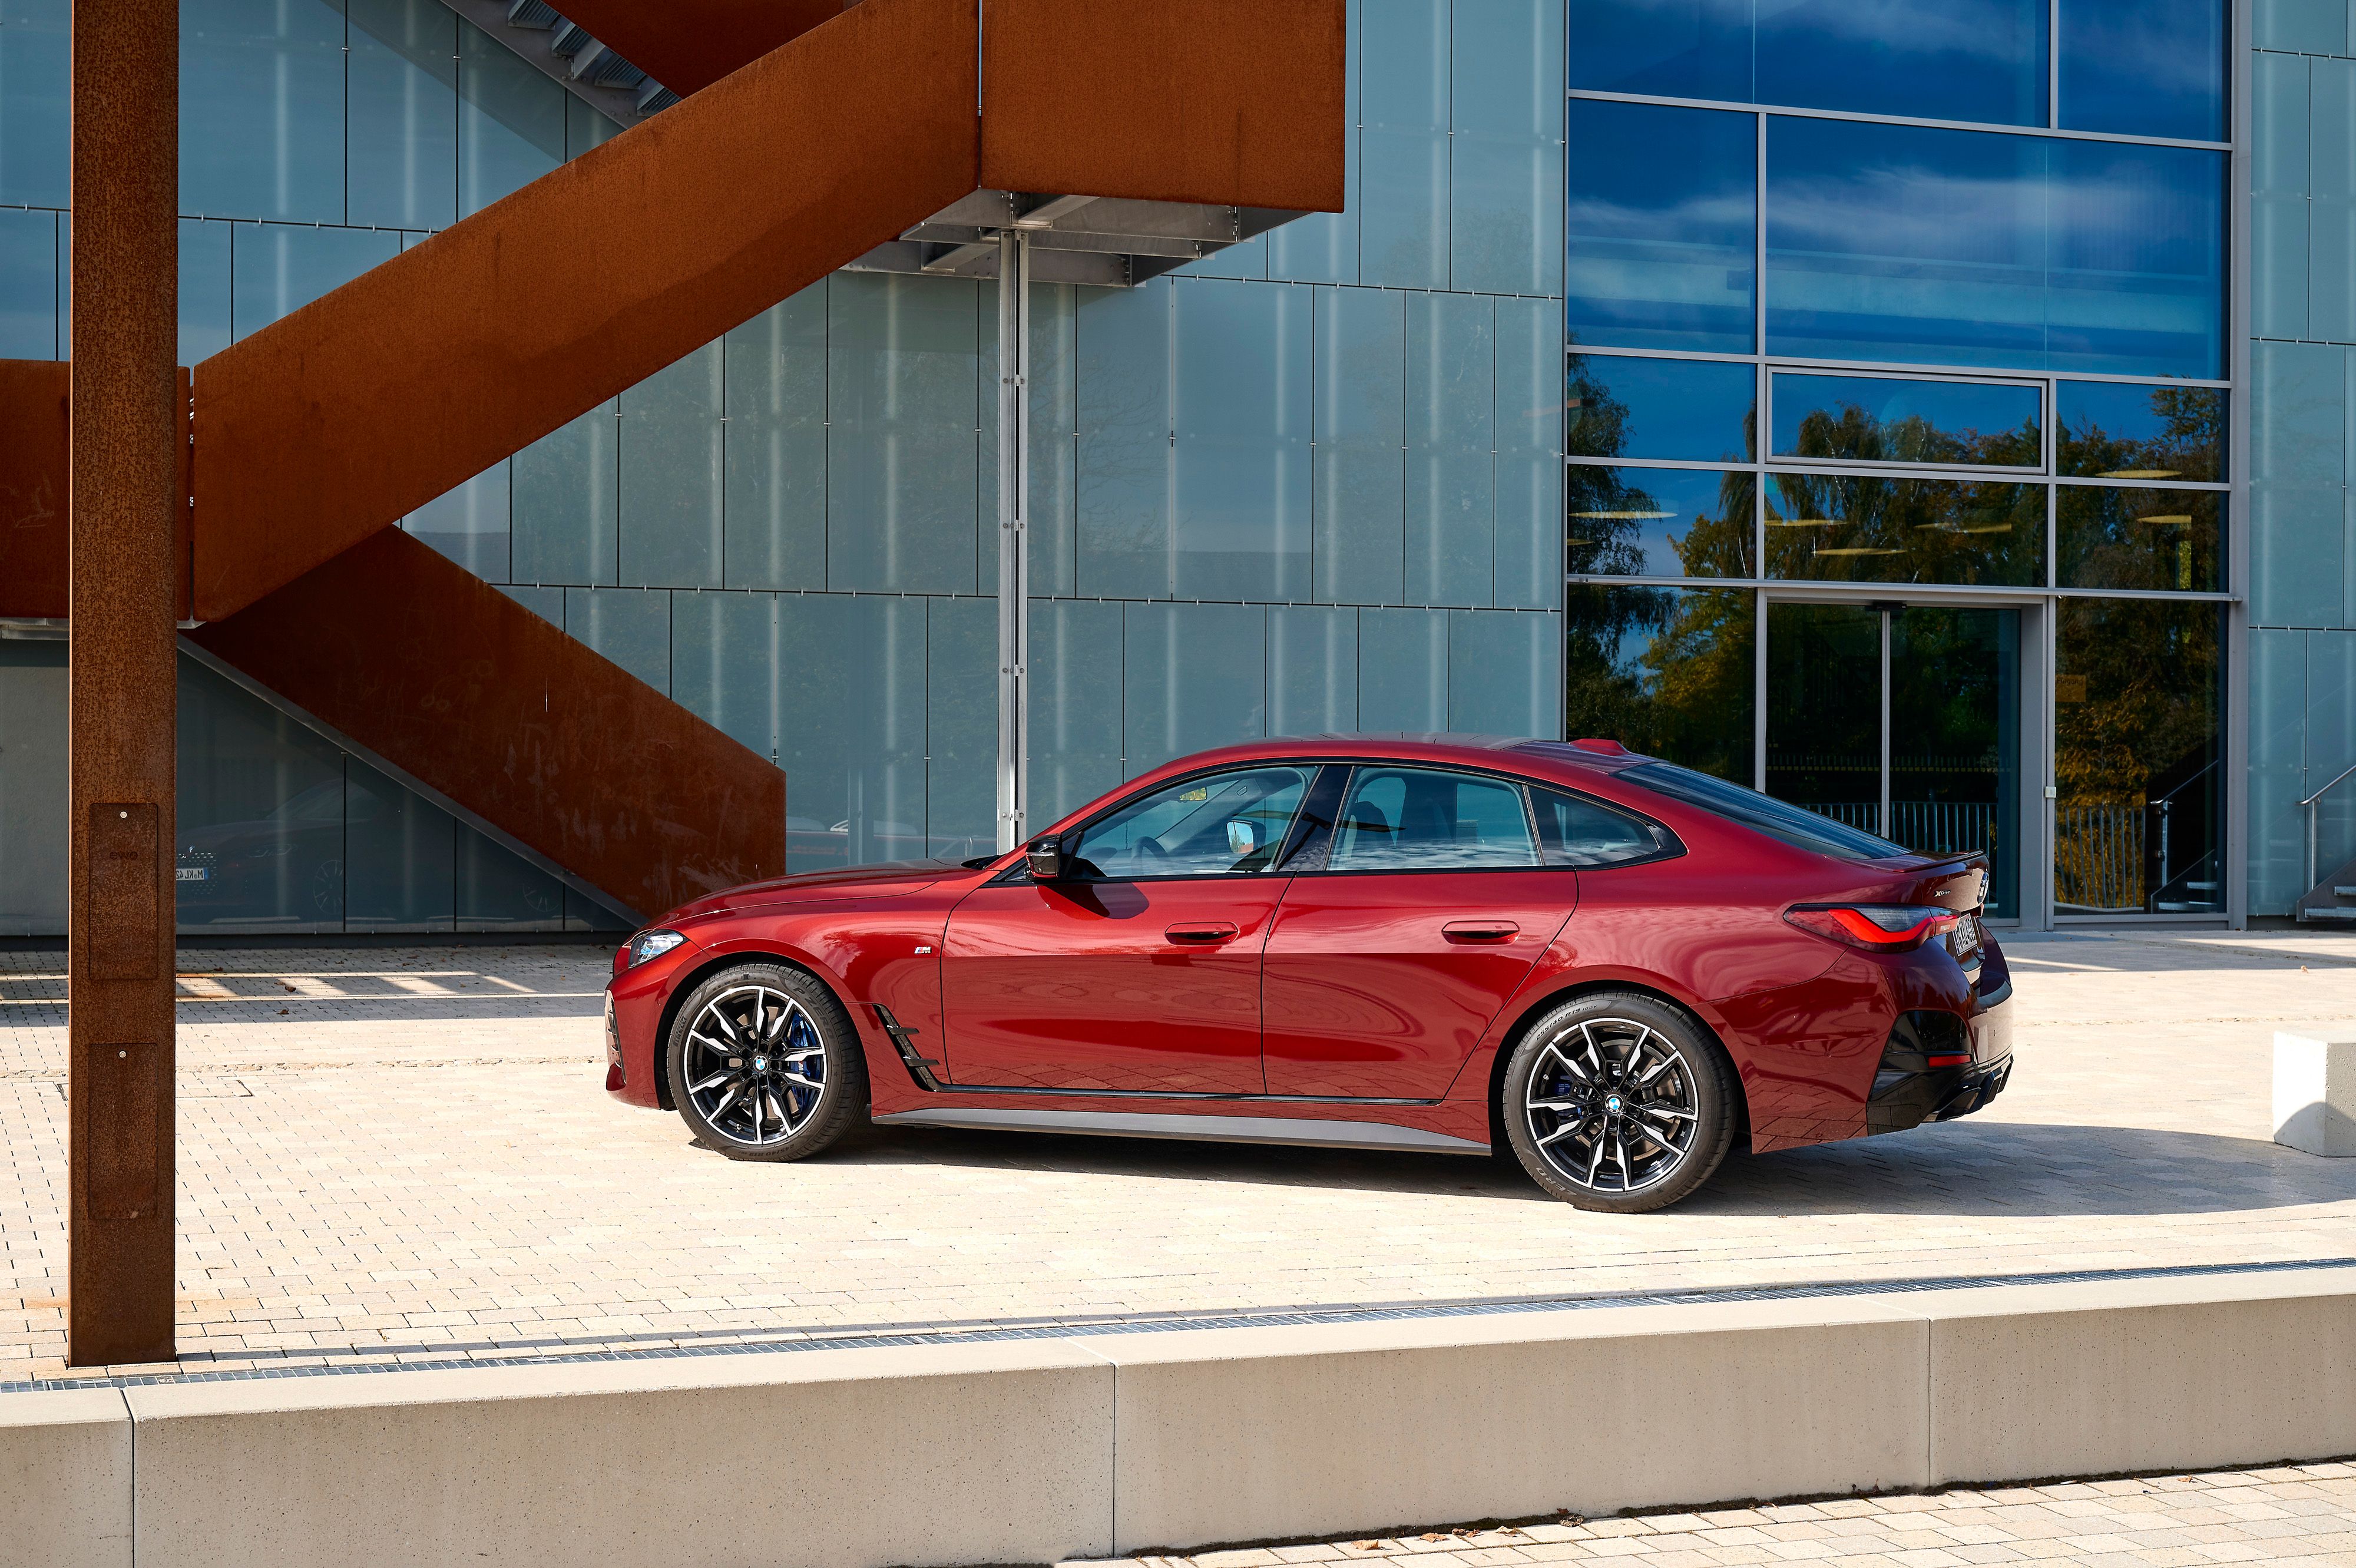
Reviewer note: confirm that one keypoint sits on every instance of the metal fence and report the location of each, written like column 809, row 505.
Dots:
column 1936, row 827
column 2098, row 857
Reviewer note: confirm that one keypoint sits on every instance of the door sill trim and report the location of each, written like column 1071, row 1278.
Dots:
column 944, row 1086
column 1300, row 1131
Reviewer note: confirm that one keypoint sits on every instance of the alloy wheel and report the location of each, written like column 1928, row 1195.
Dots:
column 756, row 1066
column 1612, row 1105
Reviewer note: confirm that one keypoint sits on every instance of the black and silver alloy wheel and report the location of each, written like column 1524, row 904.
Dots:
column 756, row 1066
column 763, row 1064
column 1619, row 1102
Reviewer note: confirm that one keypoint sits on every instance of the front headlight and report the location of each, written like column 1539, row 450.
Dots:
column 648, row 945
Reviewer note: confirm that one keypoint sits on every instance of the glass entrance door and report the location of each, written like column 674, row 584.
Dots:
column 1904, row 721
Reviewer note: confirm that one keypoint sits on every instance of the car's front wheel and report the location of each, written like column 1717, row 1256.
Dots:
column 1619, row 1102
column 763, row 1064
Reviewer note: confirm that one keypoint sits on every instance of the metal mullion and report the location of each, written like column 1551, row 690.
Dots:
column 1759, row 696
column 1687, row 463
column 1864, row 469
column 1798, row 113
column 1980, row 372
column 1888, row 618
column 1885, row 370
column 2094, row 482
column 1603, row 351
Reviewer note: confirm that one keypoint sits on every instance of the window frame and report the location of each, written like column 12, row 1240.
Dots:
column 1018, row 874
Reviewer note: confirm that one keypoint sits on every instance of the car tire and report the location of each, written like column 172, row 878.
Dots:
column 760, row 1030
column 1619, row 1102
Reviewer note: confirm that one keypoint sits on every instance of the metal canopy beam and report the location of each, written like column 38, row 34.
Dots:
column 1101, row 242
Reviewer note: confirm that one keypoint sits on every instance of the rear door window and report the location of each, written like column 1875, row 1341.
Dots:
column 1575, row 831
column 1430, row 819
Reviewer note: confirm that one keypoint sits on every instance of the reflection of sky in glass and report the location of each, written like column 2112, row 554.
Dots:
column 1937, row 59
column 1697, row 410
column 2145, row 68
column 2114, row 430
column 1662, row 221
column 1959, row 247
column 1659, row 522
column 1907, row 421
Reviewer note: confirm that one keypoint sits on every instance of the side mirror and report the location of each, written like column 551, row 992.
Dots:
column 1046, row 858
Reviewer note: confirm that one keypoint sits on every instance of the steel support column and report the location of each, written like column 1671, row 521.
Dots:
column 128, row 431
column 1013, row 537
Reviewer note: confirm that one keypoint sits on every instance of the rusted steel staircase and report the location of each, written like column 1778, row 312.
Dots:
column 312, row 436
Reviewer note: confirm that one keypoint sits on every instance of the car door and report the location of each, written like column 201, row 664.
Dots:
column 1393, row 948
column 1139, row 971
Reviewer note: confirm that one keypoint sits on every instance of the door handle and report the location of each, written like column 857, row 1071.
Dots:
column 1479, row 930
column 1202, row 933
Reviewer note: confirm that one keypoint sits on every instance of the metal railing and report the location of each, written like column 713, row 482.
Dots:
column 2308, row 806
column 1935, row 827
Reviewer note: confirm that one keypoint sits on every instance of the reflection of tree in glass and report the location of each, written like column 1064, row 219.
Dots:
column 1610, row 517
column 2192, row 436
column 1666, row 671
column 1854, row 435
column 1863, row 528
column 2113, row 537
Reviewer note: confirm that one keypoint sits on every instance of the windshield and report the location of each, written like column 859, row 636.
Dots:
column 1762, row 814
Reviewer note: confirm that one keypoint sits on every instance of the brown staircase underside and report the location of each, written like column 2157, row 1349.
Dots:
column 314, row 435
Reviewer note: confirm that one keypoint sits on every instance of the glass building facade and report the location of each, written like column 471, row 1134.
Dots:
column 1936, row 413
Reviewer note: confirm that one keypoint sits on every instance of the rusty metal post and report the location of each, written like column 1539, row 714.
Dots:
column 128, row 426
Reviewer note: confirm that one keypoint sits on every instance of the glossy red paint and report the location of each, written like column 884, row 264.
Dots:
column 1341, row 996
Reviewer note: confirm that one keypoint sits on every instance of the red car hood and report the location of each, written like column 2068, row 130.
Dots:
column 883, row 881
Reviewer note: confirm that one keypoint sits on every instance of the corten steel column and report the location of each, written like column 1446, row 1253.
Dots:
column 1013, row 538
column 128, row 426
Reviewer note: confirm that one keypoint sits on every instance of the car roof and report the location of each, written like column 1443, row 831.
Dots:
column 1565, row 760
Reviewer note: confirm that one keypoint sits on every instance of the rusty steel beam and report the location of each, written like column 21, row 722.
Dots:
column 327, row 425
column 421, row 662
column 688, row 44
column 128, row 433
column 35, row 552
column 1234, row 103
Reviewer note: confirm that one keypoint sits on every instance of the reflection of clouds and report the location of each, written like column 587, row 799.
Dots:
column 1904, row 28
column 1720, row 217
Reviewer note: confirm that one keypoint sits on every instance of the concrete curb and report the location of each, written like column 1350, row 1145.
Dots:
column 1035, row 1450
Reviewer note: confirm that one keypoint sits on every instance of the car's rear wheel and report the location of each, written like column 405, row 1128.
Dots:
column 763, row 1064
column 1619, row 1102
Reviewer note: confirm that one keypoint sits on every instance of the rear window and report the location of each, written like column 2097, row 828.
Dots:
column 1762, row 814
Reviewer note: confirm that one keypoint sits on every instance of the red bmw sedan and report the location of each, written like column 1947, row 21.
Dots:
column 1617, row 968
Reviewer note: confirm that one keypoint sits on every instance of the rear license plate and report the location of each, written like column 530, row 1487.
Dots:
column 194, row 874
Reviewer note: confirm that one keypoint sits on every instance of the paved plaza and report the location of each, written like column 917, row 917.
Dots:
column 404, row 1155
column 2296, row 1517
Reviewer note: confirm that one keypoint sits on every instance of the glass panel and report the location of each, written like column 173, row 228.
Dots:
column 1824, row 711
column 2151, row 540
column 2138, row 733
column 630, row 627
column 564, row 489
column 1878, row 419
column 1852, row 528
column 2112, row 430
column 1403, row 671
column 498, row 890
column 398, row 851
column 1664, row 48
column 1403, row 145
column 1575, row 831
column 35, row 101
column 1312, row 670
column 260, row 829
column 1124, row 423
column 2144, row 67
column 1954, row 739
column 1526, row 571
column 1450, row 434
column 1357, row 406
column 1895, row 243
column 275, row 269
column 1928, row 59
column 1074, row 705
column 903, row 382
column 28, row 285
column 962, row 727
column 1505, row 672
column 34, row 817
column 1666, row 671
column 586, row 128
column 1193, row 677
column 1659, row 522
column 510, row 120
column 670, row 473
column 723, row 664
column 2311, row 26
column 261, row 109
column 1241, row 527
column 1227, row 824
column 850, row 728
column 1621, row 406
column 2139, row 260
column 404, row 114
column 1663, row 224
column 1812, row 830
column 205, row 289
column 1418, row 818
column 1505, row 153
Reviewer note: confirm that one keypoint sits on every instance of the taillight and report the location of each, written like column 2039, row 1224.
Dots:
column 1876, row 928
